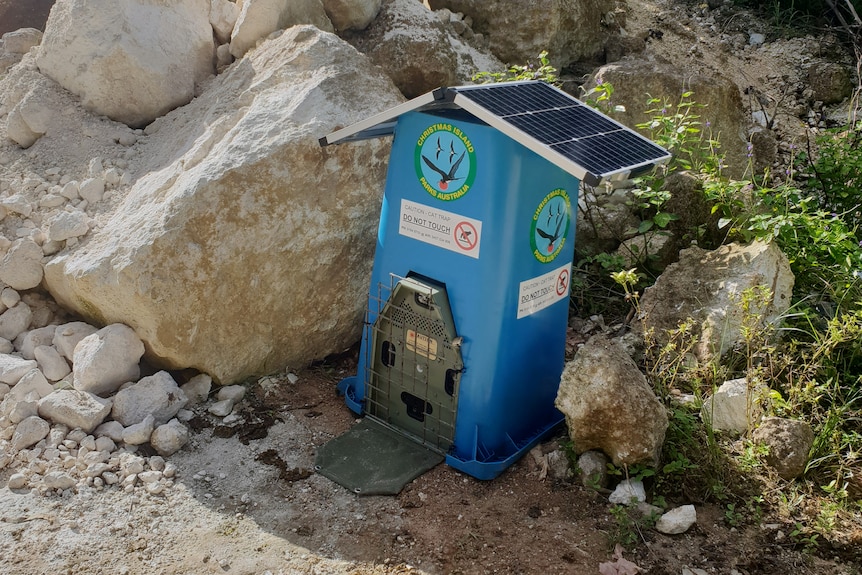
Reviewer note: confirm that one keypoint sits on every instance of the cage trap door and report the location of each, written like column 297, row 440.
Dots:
column 416, row 364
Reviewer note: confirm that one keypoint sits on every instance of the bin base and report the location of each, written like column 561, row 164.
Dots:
column 347, row 387
column 492, row 465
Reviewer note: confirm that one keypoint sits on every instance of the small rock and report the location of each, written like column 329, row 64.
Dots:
column 21, row 267
column 677, row 520
column 13, row 368
column 105, row 443
column 29, row 341
column 735, row 406
column 157, row 395
column 593, row 466
column 156, row 463
column 52, row 364
column 17, row 481
column 32, row 381
column 756, row 39
column 58, row 480
column 113, row 430
column 789, row 442
column 92, row 189
column 233, row 392
column 10, row 298
column 67, row 225
column 169, row 438
column 139, row 433
column 197, row 389
column 221, row 408
column 15, row 321
column 75, row 408
column 105, row 360
column 628, row 492
column 29, row 432
column 67, row 336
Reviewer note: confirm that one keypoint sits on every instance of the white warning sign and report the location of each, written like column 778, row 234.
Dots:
column 440, row 228
column 540, row 292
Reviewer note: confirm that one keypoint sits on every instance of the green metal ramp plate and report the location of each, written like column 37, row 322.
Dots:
column 372, row 459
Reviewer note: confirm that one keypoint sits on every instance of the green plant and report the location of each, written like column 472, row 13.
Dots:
column 540, row 70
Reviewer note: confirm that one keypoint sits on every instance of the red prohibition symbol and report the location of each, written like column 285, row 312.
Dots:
column 562, row 282
column 466, row 236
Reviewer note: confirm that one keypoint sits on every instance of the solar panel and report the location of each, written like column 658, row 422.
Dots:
column 559, row 127
column 544, row 119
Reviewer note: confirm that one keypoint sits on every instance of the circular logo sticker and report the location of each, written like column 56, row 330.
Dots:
column 445, row 161
column 550, row 226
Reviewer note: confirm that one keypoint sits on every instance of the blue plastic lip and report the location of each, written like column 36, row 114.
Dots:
column 487, row 470
column 347, row 386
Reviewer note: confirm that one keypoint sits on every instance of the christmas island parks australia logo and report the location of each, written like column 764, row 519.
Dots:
column 550, row 226
column 445, row 161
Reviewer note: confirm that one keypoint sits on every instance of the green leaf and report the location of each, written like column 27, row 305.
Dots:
column 645, row 226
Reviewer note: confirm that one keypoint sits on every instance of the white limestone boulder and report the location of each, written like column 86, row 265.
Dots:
column 107, row 359
column 708, row 287
column 21, row 267
column 75, row 408
column 131, row 61
column 157, row 395
column 255, row 239
column 169, row 438
column 257, row 19
column 609, row 405
column 67, row 336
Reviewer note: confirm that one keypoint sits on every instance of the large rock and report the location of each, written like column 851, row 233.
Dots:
column 75, row 408
column 398, row 42
column 636, row 80
column 708, row 288
column 157, row 395
column 252, row 250
column 519, row 30
column 258, row 19
column 351, row 14
column 609, row 405
column 107, row 359
column 788, row 441
column 132, row 61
